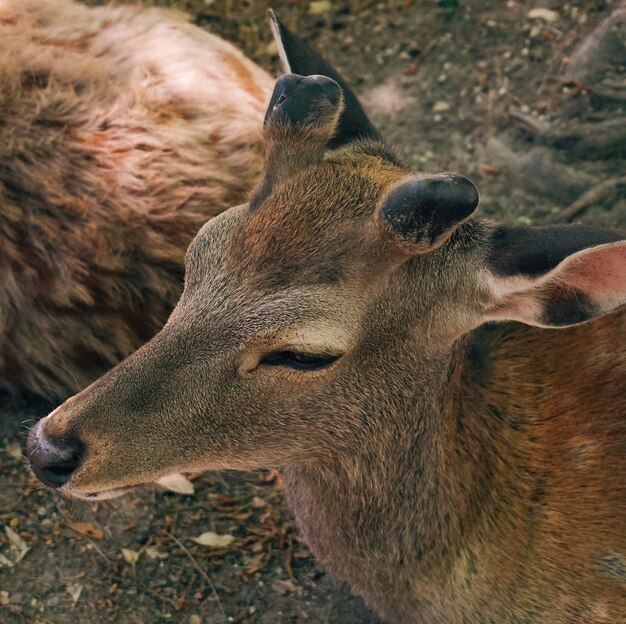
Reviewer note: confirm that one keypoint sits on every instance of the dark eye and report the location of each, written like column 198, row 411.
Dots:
column 299, row 360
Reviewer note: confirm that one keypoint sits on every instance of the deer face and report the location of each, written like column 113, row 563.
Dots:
column 309, row 313
column 288, row 318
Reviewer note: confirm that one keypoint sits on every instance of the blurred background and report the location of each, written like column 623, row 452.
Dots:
column 526, row 98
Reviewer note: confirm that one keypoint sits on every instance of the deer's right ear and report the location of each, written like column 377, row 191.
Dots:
column 555, row 276
column 298, row 58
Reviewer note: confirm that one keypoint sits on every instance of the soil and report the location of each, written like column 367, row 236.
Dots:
column 528, row 103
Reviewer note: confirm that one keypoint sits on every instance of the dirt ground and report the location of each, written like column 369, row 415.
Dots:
column 504, row 92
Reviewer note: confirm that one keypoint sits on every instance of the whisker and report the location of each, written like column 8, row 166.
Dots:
column 70, row 373
column 54, row 389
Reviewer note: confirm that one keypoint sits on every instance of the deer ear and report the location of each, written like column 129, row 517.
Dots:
column 305, row 101
column 298, row 58
column 555, row 276
column 420, row 214
column 301, row 118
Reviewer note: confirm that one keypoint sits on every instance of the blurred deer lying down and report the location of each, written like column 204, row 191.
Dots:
column 122, row 130
column 352, row 325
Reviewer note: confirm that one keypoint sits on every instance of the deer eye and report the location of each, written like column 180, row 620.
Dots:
column 299, row 360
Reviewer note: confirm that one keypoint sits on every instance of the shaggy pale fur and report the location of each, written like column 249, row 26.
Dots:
column 122, row 130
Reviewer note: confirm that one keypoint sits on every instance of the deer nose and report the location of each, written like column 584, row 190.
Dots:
column 53, row 461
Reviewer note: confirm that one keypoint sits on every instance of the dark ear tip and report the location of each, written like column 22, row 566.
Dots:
column 430, row 207
column 450, row 190
column 468, row 193
column 446, row 188
column 298, row 99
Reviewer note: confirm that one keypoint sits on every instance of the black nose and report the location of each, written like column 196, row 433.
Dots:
column 54, row 461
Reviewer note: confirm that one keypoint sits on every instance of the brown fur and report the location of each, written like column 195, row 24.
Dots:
column 451, row 470
column 447, row 480
column 122, row 131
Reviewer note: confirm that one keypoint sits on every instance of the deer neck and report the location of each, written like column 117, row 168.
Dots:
column 415, row 493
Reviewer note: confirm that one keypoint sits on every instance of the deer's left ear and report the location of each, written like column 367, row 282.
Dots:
column 298, row 58
column 419, row 214
column 555, row 276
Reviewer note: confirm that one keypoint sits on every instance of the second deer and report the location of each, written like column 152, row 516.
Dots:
column 122, row 131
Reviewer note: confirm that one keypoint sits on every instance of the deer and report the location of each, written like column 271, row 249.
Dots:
column 443, row 394
column 123, row 130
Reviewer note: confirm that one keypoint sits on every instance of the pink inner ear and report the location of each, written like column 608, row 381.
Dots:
column 599, row 272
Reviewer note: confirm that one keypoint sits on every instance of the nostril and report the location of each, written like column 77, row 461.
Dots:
column 60, row 467
column 54, row 461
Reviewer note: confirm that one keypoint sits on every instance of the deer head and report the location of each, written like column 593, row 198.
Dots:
column 312, row 311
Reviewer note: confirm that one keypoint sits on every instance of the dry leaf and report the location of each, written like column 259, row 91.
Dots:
column 132, row 556
column 74, row 590
column 441, row 107
column 544, row 14
column 209, row 538
column 256, row 563
column 86, row 528
column 177, row 483
column 283, row 587
column 18, row 546
column 5, row 562
column 5, row 598
column 491, row 170
column 155, row 553
column 319, row 6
